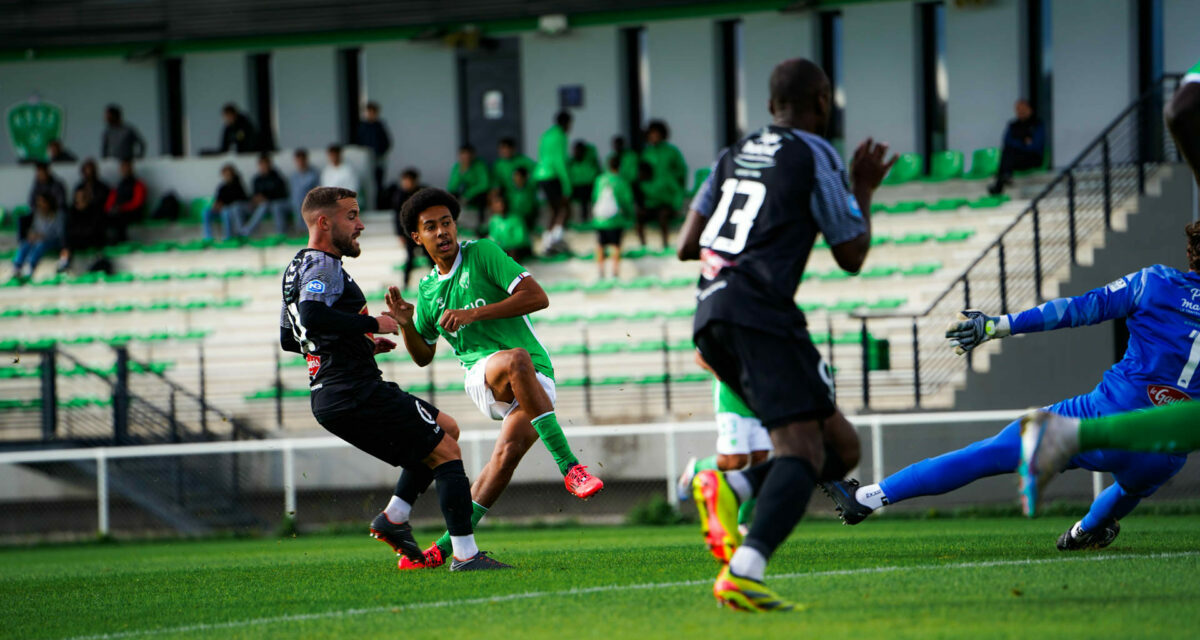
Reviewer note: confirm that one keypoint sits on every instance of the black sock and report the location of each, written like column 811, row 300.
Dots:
column 454, row 495
column 413, row 482
column 781, row 503
column 835, row 468
column 758, row 473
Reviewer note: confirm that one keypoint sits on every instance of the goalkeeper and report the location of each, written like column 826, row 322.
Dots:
column 1157, row 369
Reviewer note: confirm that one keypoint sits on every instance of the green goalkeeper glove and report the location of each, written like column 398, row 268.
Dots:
column 973, row 328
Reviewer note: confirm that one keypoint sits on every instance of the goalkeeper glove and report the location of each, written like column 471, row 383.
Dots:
column 973, row 328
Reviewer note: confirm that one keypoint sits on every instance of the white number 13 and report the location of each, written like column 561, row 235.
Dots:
column 742, row 218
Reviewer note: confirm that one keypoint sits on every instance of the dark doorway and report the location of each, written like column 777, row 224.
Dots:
column 934, row 92
column 1039, row 61
column 350, row 88
column 172, row 72
column 831, row 62
column 260, row 99
column 489, row 89
column 634, row 64
column 731, row 82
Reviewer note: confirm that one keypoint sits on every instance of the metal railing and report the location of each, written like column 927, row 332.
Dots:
column 1040, row 245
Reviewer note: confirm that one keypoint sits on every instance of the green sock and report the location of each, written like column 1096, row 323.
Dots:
column 552, row 436
column 1171, row 429
column 477, row 513
column 746, row 512
column 705, row 464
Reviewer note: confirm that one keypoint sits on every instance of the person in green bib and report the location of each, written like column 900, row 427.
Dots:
column 553, row 179
column 506, row 162
column 666, row 187
column 522, row 198
column 478, row 299
column 507, row 228
column 584, row 168
column 612, row 213
column 470, row 180
column 627, row 159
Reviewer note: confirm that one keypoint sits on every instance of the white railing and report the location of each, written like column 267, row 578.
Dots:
column 472, row 442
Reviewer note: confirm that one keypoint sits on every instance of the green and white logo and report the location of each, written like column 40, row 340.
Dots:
column 32, row 126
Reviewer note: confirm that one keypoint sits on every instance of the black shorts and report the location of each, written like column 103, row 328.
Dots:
column 553, row 191
column 782, row 378
column 610, row 236
column 386, row 422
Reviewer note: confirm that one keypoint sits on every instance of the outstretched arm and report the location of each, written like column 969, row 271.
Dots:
column 1183, row 119
column 419, row 348
column 526, row 298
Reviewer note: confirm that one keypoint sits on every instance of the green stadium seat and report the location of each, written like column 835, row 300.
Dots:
column 906, row 206
column 922, row 269
column 914, row 238
column 605, row 316
column 955, row 235
column 267, row 242
column 846, row 306
column 653, row 378
column 571, row 349
column 821, row 243
column 948, row 204
column 564, row 318
column 154, row 277
column 810, row 307
column 881, row 271
column 682, row 344
column 945, row 165
column 680, row 282
column 988, row 202
column 692, row 377
column 614, row 380
column 608, row 348
column 14, row 312
column 679, row 314
column 648, row 345
column 908, row 167
column 196, row 209
column 634, row 253
column 699, row 177
column 562, row 286
column 600, row 286
column 835, row 274
column 577, row 381
column 119, row 307
column 643, row 315
column 887, row 304
column 198, row 244
column 232, row 243
column 230, row 274
column 880, row 239
column 985, row 163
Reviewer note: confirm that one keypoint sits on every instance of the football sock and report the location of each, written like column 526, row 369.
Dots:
column 705, row 464
column 756, row 475
column 742, row 487
column 746, row 511
column 1169, row 429
column 413, row 482
column 454, row 495
column 552, row 436
column 781, row 503
column 871, row 496
column 999, row 454
column 397, row 510
column 748, row 563
column 1111, row 505
column 477, row 513
column 464, row 546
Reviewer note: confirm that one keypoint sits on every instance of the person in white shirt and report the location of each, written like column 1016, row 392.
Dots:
column 337, row 174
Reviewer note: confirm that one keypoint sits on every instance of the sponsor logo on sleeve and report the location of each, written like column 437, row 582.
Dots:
column 1162, row 395
column 314, row 364
column 315, row 286
column 1116, row 285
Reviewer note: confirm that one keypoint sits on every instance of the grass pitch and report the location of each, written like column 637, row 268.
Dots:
column 997, row 577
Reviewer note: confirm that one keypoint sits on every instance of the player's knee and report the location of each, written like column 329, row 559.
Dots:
column 510, row 452
column 732, row 461
column 449, row 425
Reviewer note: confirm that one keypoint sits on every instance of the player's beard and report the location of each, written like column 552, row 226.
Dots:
column 346, row 245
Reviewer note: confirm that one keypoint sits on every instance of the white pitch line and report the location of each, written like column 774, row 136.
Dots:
column 528, row 595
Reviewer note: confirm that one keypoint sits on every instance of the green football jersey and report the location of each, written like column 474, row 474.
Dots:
column 726, row 401
column 1193, row 74
column 482, row 274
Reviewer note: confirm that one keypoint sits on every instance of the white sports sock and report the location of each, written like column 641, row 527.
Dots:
column 740, row 484
column 398, row 510
column 870, row 496
column 748, row 563
column 464, row 547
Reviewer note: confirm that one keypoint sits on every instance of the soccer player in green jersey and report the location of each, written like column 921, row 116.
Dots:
column 478, row 299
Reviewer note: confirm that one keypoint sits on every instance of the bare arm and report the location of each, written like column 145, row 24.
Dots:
column 689, row 237
column 867, row 169
column 526, row 298
column 1183, row 119
column 401, row 311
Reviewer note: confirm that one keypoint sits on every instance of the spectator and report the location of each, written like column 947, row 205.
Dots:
column 1024, row 146
column 45, row 235
column 124, row 203
column 583, row 169
column 552, row 177
column 239, row 134
column 85, row 219
column 507, row 162
column 469, row 181
column 627, row 157
column 507, row 229
column 612, row 212
column 304, row 180
column 664, row 190
column 337, row 174
column 230, row 202
column 269, row 193
column 56, row 152
column 120, row 140
column 399, row 193
column 47, row 184
column 522, row 197
column 372, row 133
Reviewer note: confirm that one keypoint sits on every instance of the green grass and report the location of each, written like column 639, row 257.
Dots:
column 884, row 578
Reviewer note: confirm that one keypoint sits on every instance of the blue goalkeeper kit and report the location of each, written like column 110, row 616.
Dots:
column 1161, row 307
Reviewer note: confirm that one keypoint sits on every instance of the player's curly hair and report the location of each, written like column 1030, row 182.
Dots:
column 1193, row 251
column 422, row 201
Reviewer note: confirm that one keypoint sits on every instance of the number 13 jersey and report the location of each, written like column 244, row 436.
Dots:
column 767, row 198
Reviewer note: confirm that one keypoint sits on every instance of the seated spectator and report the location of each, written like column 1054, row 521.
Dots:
column 239, row 134
column 56, row 152
column 85, row 218
column 397, row 194
column 269, row 194
column 523, row 198
column 373, row 134
column 304, row 180
column 45, row 235
column 120, row 140
column 508, row 160
column 47, row 184
column 1024, row 146
column 337, row 173
column 612, row 213
column 627, row 157
column 507, row 229
column 124, row 204
column 230, row 203
column 664, row 190
column 470, row 182
column 583, row 168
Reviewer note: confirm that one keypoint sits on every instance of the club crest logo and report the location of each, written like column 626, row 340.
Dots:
column 1162, row 395
column 464, row 280
column 315, row 286
column 32, row 126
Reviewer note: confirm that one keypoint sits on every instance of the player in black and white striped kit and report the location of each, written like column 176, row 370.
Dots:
column 325, row 318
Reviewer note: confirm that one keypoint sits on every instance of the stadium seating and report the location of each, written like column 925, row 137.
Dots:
column 984, row 163
column 945, row 165
column 908, row 167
